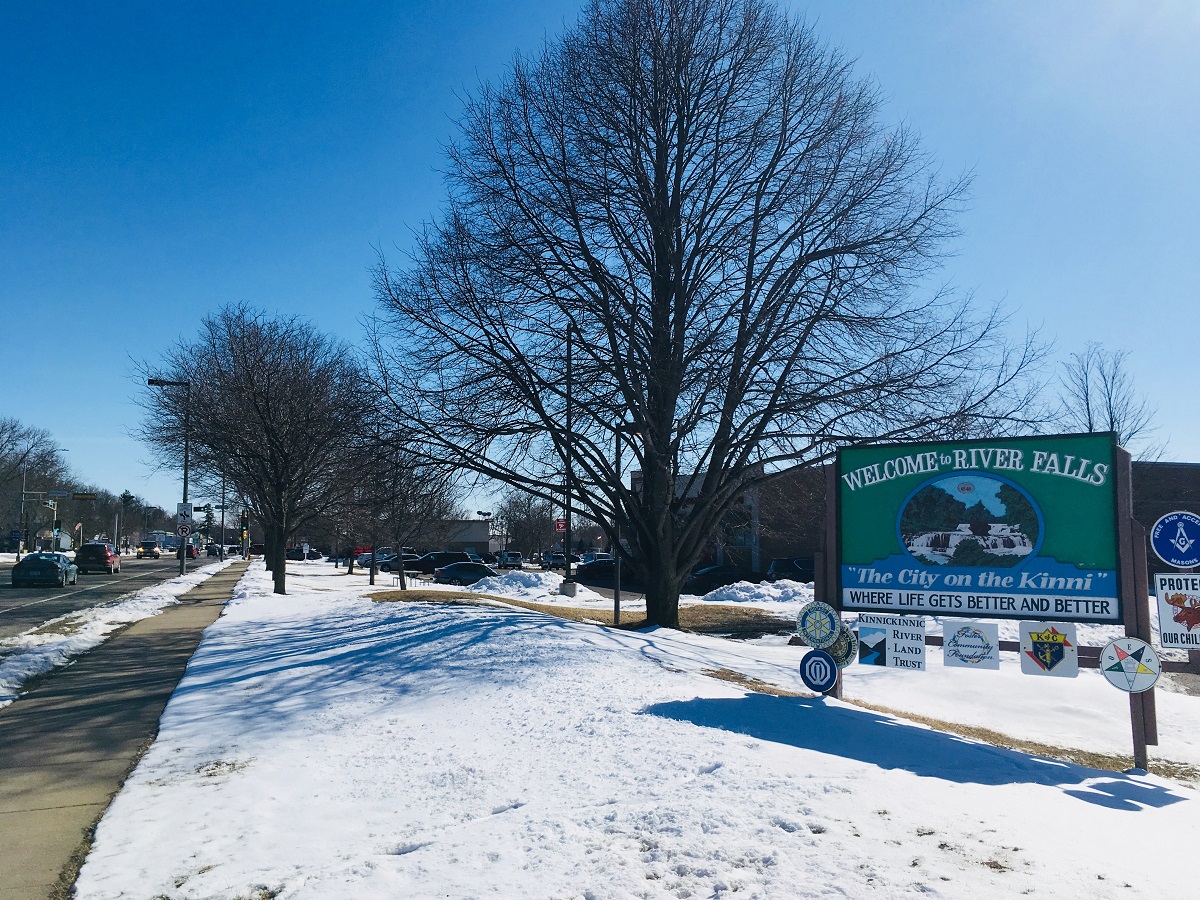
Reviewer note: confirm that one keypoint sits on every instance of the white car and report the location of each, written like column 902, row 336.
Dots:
column 510, row 559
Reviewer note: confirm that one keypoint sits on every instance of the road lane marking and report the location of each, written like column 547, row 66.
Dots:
column 90, row 587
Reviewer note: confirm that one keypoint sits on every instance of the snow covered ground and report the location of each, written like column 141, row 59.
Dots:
column 323, row 745
column 57, row 641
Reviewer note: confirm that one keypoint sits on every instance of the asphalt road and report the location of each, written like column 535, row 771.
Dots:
column 25, row 608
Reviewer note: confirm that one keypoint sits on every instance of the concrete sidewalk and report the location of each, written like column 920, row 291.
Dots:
column 67, row 745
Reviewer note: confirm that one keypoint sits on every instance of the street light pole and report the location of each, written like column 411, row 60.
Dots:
column 623, row 428
column 187, row 404
column 567, row 579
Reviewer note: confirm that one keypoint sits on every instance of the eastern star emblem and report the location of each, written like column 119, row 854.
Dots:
column 1181, row 541
column 1130, row 665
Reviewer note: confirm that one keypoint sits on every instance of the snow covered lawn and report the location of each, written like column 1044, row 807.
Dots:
column 323, row 745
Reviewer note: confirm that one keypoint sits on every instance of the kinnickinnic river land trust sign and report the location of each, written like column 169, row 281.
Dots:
column 1005, row 528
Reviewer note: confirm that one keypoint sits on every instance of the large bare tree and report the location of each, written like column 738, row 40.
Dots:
column 273, row 405
column 697, row 198
column 1098, row 394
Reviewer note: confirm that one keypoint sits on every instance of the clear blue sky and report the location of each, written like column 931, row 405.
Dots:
column 158, row 160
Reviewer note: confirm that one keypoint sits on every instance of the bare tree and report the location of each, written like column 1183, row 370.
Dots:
column 684, row 214
column 273, row 404
column 1098, row 395
column 527, row 521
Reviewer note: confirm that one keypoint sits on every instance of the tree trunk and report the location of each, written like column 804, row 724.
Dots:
column 662, row 596
column 280, row 556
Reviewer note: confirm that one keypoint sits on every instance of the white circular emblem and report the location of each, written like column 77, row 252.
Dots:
column 1130, row 665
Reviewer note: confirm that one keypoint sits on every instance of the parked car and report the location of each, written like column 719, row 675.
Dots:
column 191, row 551
column 510, row 559
column 437, row 559
column 393, row 563
column 95, row 556
column 45, row 568
column 599, row 570
column 213, row 550
column 294, row 553
column 258, row 549
column 793, row 568
column 234, row 550
column 463, row 573
column 148, row 550
column 557, row 561
column 709, row 578
column 593, row 555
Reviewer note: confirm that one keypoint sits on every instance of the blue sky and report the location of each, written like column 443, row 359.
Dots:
column 158, row 160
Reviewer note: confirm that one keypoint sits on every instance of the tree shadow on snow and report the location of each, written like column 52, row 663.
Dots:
column 891, row 744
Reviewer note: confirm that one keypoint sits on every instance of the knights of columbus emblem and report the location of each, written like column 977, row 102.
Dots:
column 1049, row 647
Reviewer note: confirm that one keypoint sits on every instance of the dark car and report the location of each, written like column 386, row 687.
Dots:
column 793, row 568
column 294, row 553
column 45, row 568
column 191, row 551
column 709, row 578
column 596, row 571
column 557, row 561
column 213, row 550
column 463, row 573
column 437, row 559
column 97, row 557
column 148, row 550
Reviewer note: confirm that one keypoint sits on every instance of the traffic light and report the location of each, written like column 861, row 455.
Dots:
column 245, row 525
column 58, row 525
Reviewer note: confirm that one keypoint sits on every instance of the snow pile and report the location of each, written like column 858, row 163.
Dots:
column 56, row 642
column 532, row 587
column 778, row 596
column 324, row 746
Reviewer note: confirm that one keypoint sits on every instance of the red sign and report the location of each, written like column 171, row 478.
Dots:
column 560, row 525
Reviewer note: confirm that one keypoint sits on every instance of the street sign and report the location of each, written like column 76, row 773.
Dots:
column 183, row 512
column 1178, row 610
column 560, row 525
column 1130, row 665
column 818, row 671
column 1175, row 539
column 15, row 535
column 83, row 496
column 58, row 495
column 184, row 529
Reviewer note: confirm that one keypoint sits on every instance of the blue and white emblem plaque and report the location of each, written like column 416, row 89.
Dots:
column 1176, row 539
column 818, row 671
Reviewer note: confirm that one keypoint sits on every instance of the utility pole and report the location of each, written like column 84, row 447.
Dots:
column 187, row 404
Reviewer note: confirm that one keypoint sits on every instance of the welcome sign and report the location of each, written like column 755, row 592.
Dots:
column 1006, row 528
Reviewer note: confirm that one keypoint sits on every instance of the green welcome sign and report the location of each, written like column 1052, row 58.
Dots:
column 997, row 528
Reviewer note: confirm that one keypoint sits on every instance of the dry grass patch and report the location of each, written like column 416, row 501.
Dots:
column 708, row 618
column 1092, row 760
column 1110, row 762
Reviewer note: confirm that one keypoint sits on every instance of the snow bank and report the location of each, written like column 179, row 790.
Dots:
column 791, row 594
column 533, row 587
column 56, row 642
